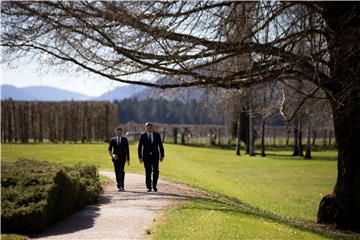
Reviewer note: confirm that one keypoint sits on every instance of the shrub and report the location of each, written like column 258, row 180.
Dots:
column 37, row 193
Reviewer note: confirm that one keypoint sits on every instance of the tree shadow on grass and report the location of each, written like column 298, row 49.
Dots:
column 151, row 200
column 166, row 193
column 80, row 220
column 288, row 156
column 230, row 205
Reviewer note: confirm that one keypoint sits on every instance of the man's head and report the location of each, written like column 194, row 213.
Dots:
column 149, row 127
column 118, row 131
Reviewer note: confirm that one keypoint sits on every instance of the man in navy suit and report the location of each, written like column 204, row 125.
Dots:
column 119, row 152
column 148, row 150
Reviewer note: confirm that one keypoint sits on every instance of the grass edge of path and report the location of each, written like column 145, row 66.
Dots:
column 298, row 223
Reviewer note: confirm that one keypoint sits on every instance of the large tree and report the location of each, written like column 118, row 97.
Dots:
column 188, row 41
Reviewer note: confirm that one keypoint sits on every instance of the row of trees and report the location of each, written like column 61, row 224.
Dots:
column 87, row 121
column 207, row 134
column 57, row 121
column 269, row 105
column 166, row 111
column 251, row 111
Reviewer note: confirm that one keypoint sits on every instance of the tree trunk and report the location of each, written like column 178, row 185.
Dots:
column 56, row 123
column 212, row 137
column 342, row 207
column 89, row 120
column 296, row 149
column 308, row 142
column 84, row 132
column 175, row 133
column 183, row 138
column 4, row 106
column 164, row 134
column 314, row 134
column 325, row 137
column 218, row 141
column 198, row 135
column 16, row 124
column 10, row 122
column 274, row 136
column 238, row 135
column 41, row 133
column 251, row 131
column 263, row 138
column 287, row 137
column 300, row 145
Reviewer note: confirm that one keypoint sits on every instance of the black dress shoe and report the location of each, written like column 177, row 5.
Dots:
column 155, row 189
column 149, row 190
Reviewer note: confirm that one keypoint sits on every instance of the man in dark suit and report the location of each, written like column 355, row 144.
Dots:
column 119, row 152
column 148, row 151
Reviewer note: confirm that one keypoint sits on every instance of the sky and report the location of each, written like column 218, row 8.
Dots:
column 32, row 74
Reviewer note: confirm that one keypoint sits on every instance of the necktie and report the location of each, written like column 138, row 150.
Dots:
column 118, row 140
column 149, row 135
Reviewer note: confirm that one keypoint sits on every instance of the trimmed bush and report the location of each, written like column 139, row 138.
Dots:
column 37, row 193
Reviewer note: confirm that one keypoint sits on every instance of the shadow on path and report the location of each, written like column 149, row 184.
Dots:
column 120, row 215
column 78, row 221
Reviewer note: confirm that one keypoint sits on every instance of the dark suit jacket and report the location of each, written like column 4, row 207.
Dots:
column 148, row 150
column 121, row 150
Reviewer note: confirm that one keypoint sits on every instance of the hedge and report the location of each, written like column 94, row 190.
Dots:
column 34, row 194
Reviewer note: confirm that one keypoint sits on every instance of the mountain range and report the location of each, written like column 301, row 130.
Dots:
column 39, row 93
column 46, row 93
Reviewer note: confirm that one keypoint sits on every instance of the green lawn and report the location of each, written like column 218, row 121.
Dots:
column 61, row 153
column 279, row 184
column 205, row 219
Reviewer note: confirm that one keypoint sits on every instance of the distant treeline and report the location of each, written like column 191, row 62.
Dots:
column 57, row 121
column 165, row 111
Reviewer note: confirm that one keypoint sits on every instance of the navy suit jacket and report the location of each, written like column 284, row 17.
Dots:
column 148, row 150
column 121, row 150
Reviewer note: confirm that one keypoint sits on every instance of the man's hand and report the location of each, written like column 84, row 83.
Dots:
column 140, row 160
column 161, row 159
column 114, row 156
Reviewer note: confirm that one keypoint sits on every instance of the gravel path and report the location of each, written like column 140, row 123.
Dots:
column 121, row 215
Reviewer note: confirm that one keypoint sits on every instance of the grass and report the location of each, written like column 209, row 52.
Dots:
column 69, row 154
column 279, row 184
column 205, row 219
column 104, row 179
column 13, row 237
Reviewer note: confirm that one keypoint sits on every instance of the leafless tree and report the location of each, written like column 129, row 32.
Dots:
column 55, row 121
column 185, row 39
column 264, row 98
